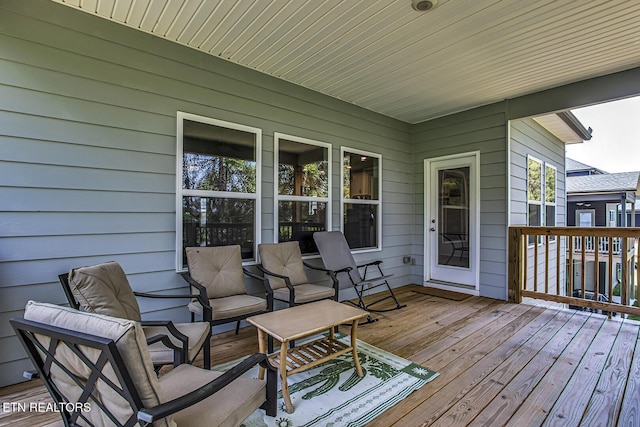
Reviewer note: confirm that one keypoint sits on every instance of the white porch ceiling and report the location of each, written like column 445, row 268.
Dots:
column 384, row 56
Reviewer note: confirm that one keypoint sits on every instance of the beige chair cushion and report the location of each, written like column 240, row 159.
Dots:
column 228, row 407
column 131, row 344
column 104, row 289
column 284, row 259
column 219, row 269
column 228, row 307
column 196, row 332
column 306, row 292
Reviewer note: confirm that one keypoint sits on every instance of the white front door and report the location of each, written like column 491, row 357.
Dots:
column 452, row 220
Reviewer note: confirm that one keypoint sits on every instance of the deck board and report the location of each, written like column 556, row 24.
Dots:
column 467, row 408
column 517, row 391
column 570, row 406
column 610, row 387
column 630, row 410
column 500, row 364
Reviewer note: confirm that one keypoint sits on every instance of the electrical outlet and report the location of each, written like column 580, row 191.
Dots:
column 407, row 260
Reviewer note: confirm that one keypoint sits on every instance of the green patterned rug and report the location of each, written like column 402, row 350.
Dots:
column 332, row 394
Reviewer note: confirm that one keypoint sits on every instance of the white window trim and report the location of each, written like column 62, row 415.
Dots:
column 377, row 202
column 180, row 192
column 277, row 136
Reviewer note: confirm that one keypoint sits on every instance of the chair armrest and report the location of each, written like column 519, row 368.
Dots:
column 146, row 295
column 372, row 263
column 314, row 267
column 332, row 274
column 149, row 415
column 287, row 282
column 30, row 375
column 271, row 273
column 253, row 275
column 203, row 298
column 179, row 354
column 171, row 328
column 267, row 288
column 343, row 270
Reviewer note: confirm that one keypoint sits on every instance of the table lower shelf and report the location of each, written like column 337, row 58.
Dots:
column 308, row 355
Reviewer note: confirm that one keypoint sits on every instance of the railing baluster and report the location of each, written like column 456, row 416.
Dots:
column 535, row 263
column 546, row 264
column 558, row 258
column 583, row 269
column 571, row 278
column 625, row 261
column 596, row 275
column 525, row 259
column 610, row 268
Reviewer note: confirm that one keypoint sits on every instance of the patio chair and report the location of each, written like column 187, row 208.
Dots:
column 98, row 370
column 336, row 256
column 104, row 289
column 282, row 264
column 217, row 275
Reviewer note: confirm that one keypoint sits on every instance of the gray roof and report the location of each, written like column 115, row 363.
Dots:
column 574, row 165
column 605, row 183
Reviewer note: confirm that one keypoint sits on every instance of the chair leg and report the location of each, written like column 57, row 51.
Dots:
column 272, row 393
column 390, row 295
column 393, row 295
column 237, row 327
column 362, row 305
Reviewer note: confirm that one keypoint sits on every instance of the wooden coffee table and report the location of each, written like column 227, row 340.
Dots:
column 302, row 321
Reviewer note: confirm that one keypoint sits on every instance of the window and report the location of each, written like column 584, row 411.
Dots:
column 550, row 173
column 585, row 217
column 534, row 192
column 218, row 185
column 541, row 194
column 302, row 194
column 361, row 198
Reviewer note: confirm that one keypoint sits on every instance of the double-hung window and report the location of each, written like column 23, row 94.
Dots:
column 534, row 191
column 361, row 178
column 218, row 185
column 550, row 179
column 302, row 193
column 541, row 194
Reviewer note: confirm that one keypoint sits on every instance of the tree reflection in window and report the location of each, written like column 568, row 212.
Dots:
column 302, row 189
column 219, row 184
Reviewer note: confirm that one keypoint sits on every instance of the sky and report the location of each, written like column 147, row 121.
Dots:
column 615, row 142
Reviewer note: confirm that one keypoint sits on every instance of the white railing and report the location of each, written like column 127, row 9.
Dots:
column 603, row 244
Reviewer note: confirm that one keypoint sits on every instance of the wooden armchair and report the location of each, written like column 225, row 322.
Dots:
column 99, row 370
column 104, row 289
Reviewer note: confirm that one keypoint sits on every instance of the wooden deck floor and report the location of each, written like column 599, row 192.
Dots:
column 499, row 364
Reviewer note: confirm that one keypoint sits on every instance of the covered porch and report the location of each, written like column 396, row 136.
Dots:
column 500, row 363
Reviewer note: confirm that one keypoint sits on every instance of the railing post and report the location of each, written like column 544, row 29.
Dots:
column 515, row 265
